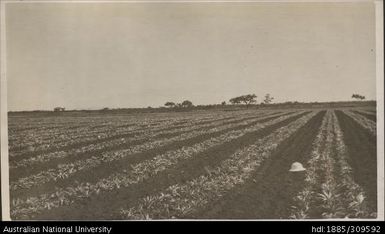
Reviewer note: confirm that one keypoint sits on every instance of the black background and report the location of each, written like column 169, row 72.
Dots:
column 202, row 226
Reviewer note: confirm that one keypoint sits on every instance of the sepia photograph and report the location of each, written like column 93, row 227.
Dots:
column 192, row 110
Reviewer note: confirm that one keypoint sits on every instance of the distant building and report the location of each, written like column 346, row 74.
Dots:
column 58, row 109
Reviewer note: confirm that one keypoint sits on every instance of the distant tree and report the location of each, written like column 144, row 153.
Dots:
column 187, row 104
column 268, row 99
column 170, row 104
column 223, row 103
column 358, row 97
column 235, row 100
column 249, row 99
column 246, row 99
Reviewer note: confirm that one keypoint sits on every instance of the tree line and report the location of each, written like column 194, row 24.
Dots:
column 247, row 100
column 184, row 104
column 250, row 99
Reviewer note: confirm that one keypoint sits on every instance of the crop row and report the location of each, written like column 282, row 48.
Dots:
column 329, row 191
column 181, row 199
column 97, row 136
column 365, row 111
column 352, row 192
column 63, row 171
column 136, row 174
column 105, row 145
column 58, row 138
column 364, row 122
column 18, row 125
column 65, row 122
column 22, row 145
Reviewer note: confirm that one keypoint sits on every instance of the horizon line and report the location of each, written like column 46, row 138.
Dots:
column 198, row 105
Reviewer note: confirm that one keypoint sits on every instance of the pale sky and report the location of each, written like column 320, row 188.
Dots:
column 95, row 55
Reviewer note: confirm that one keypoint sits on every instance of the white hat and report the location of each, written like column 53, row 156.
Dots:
column 296, row 166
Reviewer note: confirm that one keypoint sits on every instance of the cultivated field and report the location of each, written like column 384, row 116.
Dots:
column 198, row 164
